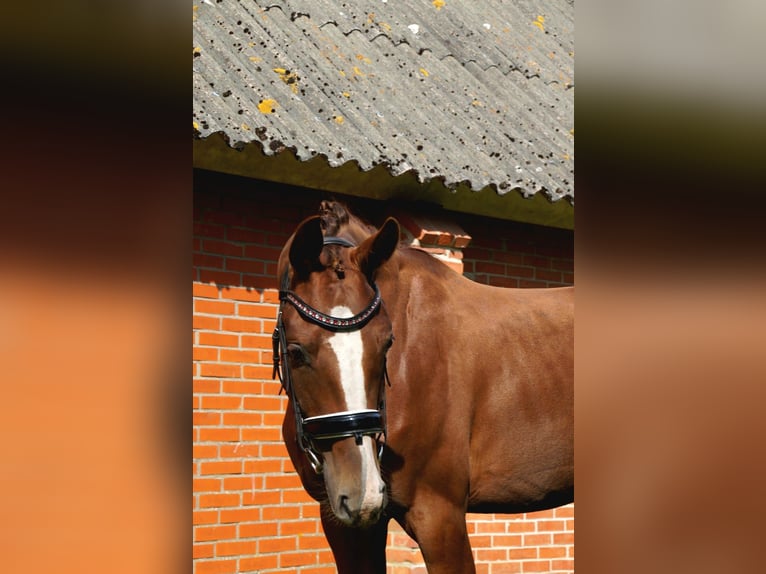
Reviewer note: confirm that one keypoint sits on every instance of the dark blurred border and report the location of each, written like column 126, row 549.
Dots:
column 94, row 321
column 671, row 298
column 95, row 228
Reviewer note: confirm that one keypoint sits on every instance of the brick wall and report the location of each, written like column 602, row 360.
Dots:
column 250, row 511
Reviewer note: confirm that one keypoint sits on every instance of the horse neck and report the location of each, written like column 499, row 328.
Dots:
column 408, row 272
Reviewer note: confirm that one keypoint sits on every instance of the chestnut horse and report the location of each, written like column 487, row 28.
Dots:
column 417, row 394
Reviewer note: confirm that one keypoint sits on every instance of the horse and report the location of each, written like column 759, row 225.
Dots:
column 416, row 394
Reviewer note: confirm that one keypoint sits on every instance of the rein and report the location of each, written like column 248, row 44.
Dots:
column 358, row 423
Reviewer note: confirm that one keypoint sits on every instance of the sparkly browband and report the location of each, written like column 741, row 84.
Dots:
column 328, row 321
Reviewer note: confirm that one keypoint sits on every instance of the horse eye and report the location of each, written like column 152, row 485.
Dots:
column 297, row 355
column 389, row 343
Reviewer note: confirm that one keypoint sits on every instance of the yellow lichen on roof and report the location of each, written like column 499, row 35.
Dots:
column 539, row 23
column 289, row 78
column 267, row 106
column 439, row 4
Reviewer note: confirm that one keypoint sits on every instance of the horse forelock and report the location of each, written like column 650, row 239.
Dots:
column 338, row 221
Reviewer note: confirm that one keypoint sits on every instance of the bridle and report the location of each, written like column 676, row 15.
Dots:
column 356, row 423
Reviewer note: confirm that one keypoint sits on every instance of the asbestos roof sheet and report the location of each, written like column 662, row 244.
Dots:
column 476, row 93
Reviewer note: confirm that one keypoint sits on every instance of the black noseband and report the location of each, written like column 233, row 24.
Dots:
column 341, row 425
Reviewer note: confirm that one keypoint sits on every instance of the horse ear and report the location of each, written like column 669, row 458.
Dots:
column 377, row 249
column 307, row 246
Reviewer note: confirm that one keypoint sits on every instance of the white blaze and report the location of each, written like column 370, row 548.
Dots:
column 349, row 351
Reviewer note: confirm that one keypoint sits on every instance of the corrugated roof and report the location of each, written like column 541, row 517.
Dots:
column 467, row 93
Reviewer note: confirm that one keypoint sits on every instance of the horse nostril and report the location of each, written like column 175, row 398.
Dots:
column 343, row 504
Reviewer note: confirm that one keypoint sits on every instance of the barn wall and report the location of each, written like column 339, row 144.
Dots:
column 250, row 511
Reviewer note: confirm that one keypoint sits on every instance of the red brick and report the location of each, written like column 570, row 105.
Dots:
column 507, row 540
column 237, row 356
column 281, row 512
column 207, row 260
column 240, row 450
column 492, row 268
column 262, row 252
column 207, row 533
column 505, row 568
column 276, row 544
column 204, row 451
column 264, row 403
column 529, row 284
column 218, row 339
column 263, row 465
column 259, row 563
column 258, row 529
column 257, row 372
column 261, row 341
column 238, row 483
column 273, row 450
column 563, row 538
column 241, row 325
column 241, row 387
column 521, row 526
column 205, row 517
column 553, row 552
column 315, row 542
column 536, row 566
column 290, row 559
column 205, row 230
column 521, row 553
column 219, row 434
column 222, row 247
column 206, row 386
column 238, row 515
column 245, row 235
column 260, row 497
column 203, row 551
column 206, row 484
column 206, row 418
column 205, row 290
column 221, row 467
column 563, row 264
column 215, row 566
column 244, row 265
column 220, row 370
column 545, row 275
column 222, row 402
column 537, row 539
column 241, row 418
column 203, row 322
column 214, row 307
column 246, row 547
column 519, row 271
column 537, row 261
column 204, row 354
column 293, row 527
column 564, row 511
column 218, row 500
column 242, row 294
column 257, row 310
column 261, row 434
column 219, row 277
column 491, row 554
column 551, row 525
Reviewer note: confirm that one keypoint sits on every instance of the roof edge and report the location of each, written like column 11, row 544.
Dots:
column 215, row 154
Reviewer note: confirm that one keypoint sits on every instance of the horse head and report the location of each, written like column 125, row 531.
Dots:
column 332, row 336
